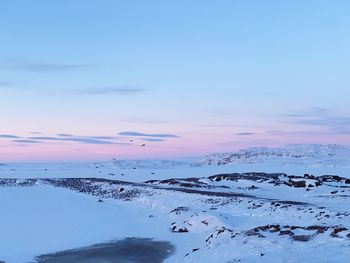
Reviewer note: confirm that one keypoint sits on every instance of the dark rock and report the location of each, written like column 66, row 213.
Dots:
column 318, row 184
column 337, row 230
column 183, row 230
column 301, row 238
column 319, row 229
column 331, row 178
column 286, row 233
column 297, row 184
column 179, row 209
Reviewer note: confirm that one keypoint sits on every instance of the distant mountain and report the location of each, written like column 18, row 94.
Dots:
column 311, row 155
column 330, row 155
column 143, row 164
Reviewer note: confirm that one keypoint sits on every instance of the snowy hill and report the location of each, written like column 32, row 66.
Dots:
column 303, row 155
column 330, row 155
column 142, row 164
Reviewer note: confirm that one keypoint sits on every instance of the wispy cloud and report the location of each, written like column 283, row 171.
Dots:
column 322, row 118
column 37, row 66
column 71, row 136
column 296, row 133
column 73, row 139
column 5, row 84
column 65, row 135
column 155, row 135
column 62, row 137
column 312, row 113
column 26, row 141
column 152, row 139
column 92, row 140
column 245, row 133
column 331, row 121
column 9, row 136
column 103, row 137
column 121, row 91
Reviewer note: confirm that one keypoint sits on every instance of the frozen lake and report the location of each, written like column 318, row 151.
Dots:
column 130, row 250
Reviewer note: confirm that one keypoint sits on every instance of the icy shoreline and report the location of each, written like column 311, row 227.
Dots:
column 130, row 250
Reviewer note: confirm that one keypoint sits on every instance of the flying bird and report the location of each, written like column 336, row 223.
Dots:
column 143, row 145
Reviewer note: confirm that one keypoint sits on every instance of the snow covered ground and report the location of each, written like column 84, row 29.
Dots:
column 43, row 219
column 313, row 155
column 209, row 213
column 292, row 159
column 105, row 170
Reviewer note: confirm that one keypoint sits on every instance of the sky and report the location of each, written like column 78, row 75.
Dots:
column 95, row 80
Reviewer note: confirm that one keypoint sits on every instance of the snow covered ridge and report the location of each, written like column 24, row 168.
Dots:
column 309, row 155
column 142, row 164
column 318, row 155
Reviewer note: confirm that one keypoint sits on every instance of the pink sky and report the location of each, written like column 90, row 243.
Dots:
column 183, row 146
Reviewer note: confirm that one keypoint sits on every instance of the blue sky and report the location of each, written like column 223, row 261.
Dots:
column 220, row 75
